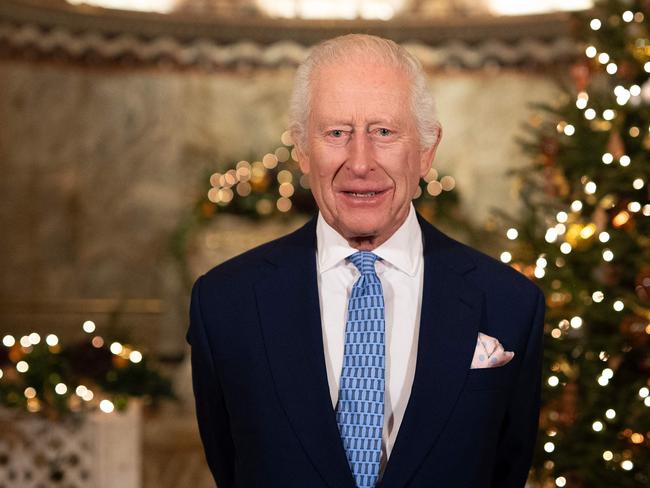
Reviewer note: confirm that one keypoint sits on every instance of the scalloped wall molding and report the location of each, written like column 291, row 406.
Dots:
column 206, row 52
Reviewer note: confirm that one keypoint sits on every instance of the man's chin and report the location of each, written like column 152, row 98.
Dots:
column 358, row 232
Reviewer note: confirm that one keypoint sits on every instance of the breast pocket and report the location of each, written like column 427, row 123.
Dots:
column 498, row 378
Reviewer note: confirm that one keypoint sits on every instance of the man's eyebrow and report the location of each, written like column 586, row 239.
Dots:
column 348, row 123
column 387, row 120
column 334, row 122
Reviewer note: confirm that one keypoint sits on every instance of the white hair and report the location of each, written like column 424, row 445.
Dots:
column 363, row 47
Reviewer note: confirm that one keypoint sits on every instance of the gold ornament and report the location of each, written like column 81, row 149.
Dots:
column 559, row 299
column 579, row 235
column 641, row 51
column 260, row 183
column 600, row 218
column 615, row 145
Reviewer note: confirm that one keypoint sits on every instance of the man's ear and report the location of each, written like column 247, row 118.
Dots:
column 303, row 159
column 427, row 155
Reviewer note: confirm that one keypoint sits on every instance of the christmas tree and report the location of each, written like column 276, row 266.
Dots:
column 583, row 236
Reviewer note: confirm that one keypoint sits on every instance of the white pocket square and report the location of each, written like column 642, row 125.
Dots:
column 489, row 353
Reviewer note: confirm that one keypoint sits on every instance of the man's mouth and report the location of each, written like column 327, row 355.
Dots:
column 362, row 194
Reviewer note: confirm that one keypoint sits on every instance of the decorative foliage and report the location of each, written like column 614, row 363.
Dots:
column 45, row 377
column 584, row 237
column 274, row 187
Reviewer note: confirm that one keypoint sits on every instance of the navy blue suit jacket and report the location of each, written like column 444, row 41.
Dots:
column 260, row 383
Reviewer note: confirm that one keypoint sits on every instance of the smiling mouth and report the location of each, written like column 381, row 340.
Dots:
column 365, row 194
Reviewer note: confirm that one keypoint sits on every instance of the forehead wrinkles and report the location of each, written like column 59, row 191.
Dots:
column 365, row 75
column 344, row 113
column 342, row 95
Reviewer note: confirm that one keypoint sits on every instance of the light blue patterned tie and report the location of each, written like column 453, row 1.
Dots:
column 360, row 408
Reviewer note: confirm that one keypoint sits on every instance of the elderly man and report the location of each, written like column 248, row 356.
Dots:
column 366, row 348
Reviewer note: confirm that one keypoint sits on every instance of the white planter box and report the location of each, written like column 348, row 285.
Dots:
column 102, row 451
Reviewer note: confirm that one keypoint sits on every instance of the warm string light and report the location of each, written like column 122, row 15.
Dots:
column 125, row 352
column 27, row 342
column 247, row 177
column 565, row 128
column 597, row 296
column 84, row 393
column 435, row 187
column 584, row 231
column 634, row 207
column 551, row 235
column 88, row 326
column 624, row 95
column 627, row 465
column 106, row 406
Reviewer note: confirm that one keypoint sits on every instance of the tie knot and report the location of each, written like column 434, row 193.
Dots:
column 364, row 261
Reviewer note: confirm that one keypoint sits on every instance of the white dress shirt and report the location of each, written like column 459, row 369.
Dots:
column 400, row 271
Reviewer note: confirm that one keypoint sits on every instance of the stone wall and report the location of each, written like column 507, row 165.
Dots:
column 99, row 166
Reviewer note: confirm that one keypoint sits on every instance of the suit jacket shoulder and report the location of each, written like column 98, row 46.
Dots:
column 249, row 265
column 486, row 272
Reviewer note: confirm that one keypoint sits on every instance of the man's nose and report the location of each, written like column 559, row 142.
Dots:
column 360, row 156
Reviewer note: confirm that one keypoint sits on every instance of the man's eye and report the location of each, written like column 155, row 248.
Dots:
column 336, row 133
column 384, row 132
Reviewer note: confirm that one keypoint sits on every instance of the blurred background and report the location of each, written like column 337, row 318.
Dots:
column 142, row 142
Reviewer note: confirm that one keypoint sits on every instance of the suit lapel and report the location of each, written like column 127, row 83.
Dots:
column 290, row 318
column 449, row 324
column 287, row 299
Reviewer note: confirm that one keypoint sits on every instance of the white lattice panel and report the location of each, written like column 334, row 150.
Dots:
column 101, row 451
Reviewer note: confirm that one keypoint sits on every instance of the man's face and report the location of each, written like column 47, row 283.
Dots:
column 363, row 152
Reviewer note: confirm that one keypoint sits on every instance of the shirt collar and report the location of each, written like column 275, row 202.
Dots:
column 403, row 249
